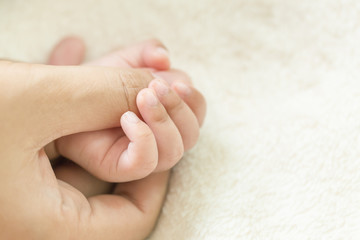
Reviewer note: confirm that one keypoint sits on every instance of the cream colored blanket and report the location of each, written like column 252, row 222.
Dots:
column 279, row 155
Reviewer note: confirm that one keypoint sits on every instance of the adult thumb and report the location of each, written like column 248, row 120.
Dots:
column 47, row 102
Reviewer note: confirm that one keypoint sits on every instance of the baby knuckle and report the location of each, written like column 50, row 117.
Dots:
column 176, row 104
column 161, row 117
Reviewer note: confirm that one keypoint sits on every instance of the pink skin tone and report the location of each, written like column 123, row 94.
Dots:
column 75, row 204
column 114, row 142
column 171, row 111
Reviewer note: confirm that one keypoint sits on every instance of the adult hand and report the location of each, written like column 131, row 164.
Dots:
column 174, row 123
column 39, row 104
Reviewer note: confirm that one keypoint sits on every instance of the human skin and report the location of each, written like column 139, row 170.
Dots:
column 40, row 104
column 174, row 122
column 138, row 55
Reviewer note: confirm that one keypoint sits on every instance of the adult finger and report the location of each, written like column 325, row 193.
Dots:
column 58, row 101
column 69, row 51
column 151, row 53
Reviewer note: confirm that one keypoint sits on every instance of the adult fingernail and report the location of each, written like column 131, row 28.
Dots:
column 183, row 88
column 131, row 117
column 151, row 99
column 160, row 88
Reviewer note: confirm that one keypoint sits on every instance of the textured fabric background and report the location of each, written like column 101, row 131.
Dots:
column 279, row 155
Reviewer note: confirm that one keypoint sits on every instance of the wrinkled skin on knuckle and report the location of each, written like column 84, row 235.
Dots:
column 133, row 81
column 160, row 117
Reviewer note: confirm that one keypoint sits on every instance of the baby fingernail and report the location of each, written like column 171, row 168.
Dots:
column 183, row 88
column 151, row 99
column 162, row 51
column 156, row 76
column 160, row 88
column 131, row 117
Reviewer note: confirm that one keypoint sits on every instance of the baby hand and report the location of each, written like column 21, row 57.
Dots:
column 171, row 111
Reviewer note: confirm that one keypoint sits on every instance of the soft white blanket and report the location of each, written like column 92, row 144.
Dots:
column 279, row 155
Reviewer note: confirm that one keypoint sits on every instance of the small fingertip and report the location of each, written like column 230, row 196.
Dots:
column 149, row 97
column 131, row 117
column 162, row 52
column 160, row 86
column 182, row 88
column 157, row 57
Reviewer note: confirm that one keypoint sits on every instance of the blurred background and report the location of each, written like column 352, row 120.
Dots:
column 279, row 154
